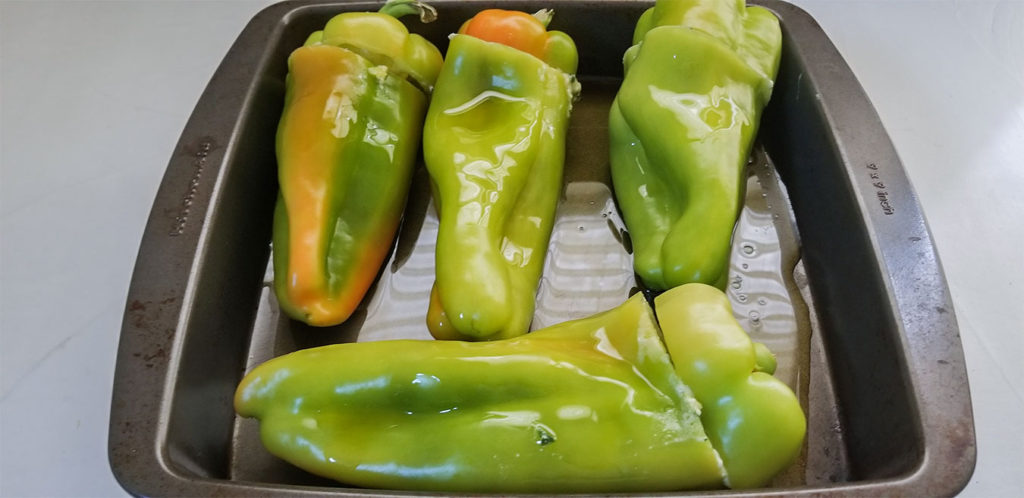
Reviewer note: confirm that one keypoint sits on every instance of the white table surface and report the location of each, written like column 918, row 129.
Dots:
column 94, row 96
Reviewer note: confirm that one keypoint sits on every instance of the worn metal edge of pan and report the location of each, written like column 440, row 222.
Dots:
column 912, row 272
column 163, row 274
column 171, row 246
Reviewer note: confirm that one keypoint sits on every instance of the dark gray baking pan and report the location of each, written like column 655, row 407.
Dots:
column 833, row 267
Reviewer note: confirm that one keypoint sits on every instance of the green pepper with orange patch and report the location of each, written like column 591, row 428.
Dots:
column 494, row 145
column 356, row 94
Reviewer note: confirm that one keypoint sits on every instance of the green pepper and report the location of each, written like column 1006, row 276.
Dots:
column 681, row 129
column 589, row 405
column 346, row 146
column 494, row 145
column 592, row 405
column 753, row 419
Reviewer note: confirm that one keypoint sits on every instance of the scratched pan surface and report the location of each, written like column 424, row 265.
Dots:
column 832, row 267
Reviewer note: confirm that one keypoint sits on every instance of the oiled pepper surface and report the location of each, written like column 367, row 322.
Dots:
column 753, row 419
column 681, row 129
column 589, row 405
column 592, row 405
column 494, row 144
column 346, row 145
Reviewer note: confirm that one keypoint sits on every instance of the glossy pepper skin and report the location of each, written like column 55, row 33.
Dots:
column 753, row 419
column 346, row 146
column 589, row 405
column 494, row 145
column 681, row 129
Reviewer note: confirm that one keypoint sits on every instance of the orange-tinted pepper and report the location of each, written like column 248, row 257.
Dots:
column 346, row 145
column 526, row 33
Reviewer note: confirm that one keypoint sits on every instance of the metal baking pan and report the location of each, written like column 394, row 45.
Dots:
column 833, row 266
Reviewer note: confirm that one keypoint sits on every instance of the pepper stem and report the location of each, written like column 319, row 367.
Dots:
column 544, row 16
column 399, row 8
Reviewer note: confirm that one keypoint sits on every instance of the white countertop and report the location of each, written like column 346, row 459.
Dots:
column 94, row 96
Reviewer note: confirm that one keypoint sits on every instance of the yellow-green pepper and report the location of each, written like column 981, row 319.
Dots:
column 494, row 145
column 681, row 128
column 592, row 405
column 753, row 419
column 589, row 405
column 346, row 145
